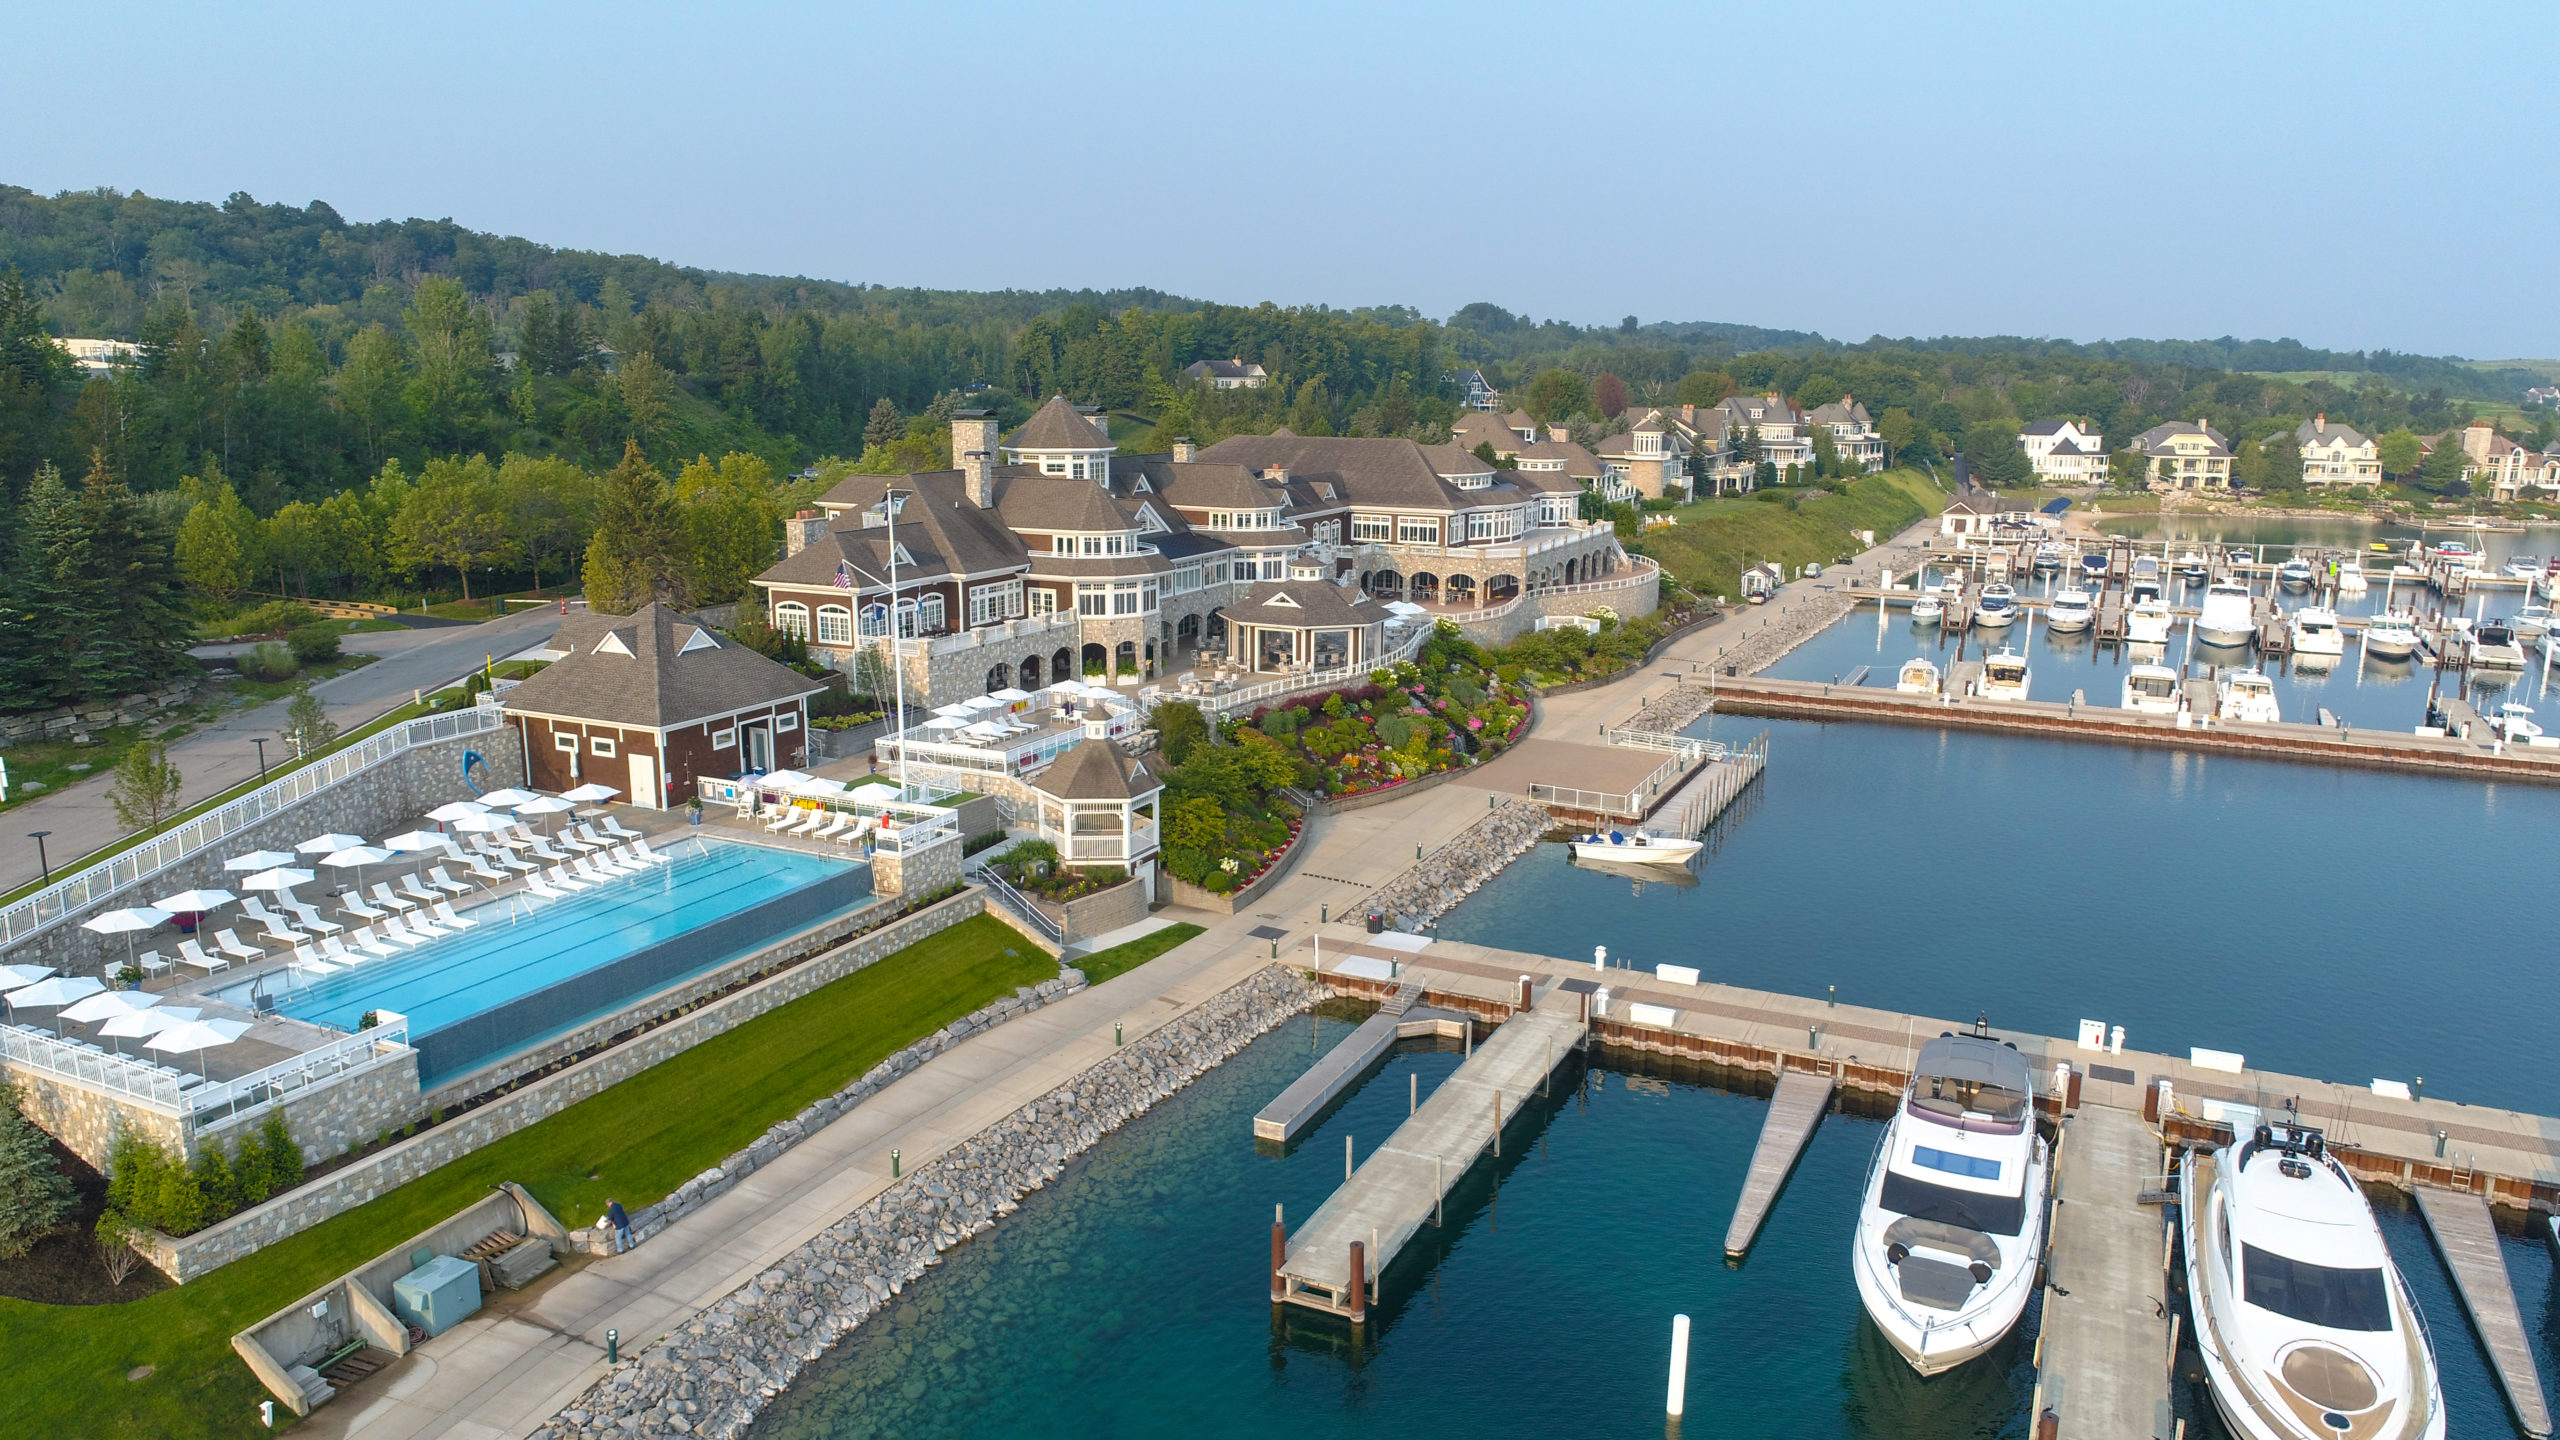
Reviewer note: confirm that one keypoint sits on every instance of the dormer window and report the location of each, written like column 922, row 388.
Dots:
column 612, row 644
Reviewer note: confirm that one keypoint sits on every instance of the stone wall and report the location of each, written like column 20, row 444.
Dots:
column 1430, row 887
column 337, row 1114
column 917, row 872
column 83, row 719
column 382, row 800
column 712, row 1374
column 1631, row 592
column 343, row 1189
column 86, row 1120
column 1099, row 913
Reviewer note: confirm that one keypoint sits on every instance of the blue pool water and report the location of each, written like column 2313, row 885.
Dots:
column 520, row 947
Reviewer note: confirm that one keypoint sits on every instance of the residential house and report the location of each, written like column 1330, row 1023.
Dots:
column 1784, row 435
column 1713, row 466
column 1475, row 392
column 2543, row 395
column 1650, row 460
column 1227, row 374
column 2336, row 454
column 101, row 357
column 2062, row 453
column 1548, row 450
column 2180, row 456
column 650, row 702
column 2497, row 466
column 1963, row 521
column 1853, row 432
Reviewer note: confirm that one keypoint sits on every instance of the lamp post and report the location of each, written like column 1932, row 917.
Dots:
column 41, row 862
column 261, row 742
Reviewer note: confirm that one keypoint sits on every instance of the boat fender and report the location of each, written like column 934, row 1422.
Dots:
column 1980, row 1272
column 1896, row 1253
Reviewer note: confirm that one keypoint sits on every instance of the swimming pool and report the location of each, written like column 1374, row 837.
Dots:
column 531, row 969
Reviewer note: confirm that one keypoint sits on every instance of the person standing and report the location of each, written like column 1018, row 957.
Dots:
column 621, row 1223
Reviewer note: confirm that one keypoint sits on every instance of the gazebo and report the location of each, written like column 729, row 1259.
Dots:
column 1100, row 807
column 1304, row 624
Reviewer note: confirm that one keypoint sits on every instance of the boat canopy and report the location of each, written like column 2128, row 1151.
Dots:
column 1961, row 1073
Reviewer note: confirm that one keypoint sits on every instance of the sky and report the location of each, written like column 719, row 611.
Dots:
column 2352, row 176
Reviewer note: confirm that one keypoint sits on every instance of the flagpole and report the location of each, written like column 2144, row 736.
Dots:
column 897, row 654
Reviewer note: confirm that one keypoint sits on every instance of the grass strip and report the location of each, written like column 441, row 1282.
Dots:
column 1120, row 959
column 635, row 1141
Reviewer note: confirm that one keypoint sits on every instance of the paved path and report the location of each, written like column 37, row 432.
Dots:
column 221, row 755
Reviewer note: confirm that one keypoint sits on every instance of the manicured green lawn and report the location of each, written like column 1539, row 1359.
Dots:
column 636, row 1142
column 1101, row 965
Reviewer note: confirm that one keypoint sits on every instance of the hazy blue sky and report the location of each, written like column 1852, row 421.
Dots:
column 2353, row 176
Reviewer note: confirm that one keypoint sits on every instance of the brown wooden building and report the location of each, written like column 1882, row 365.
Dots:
column 650, row 702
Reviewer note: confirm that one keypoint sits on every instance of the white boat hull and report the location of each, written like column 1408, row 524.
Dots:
column 2148, row 629
column 1654, row 851
column 2390, row 647
column 2319, row 642
column 2498, row 657
column 2065, row 622
column 1993, row 619
column 1932, row 1348
column 2223, row 635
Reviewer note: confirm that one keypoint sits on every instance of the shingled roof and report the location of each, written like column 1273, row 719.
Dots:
column 1058, row 426
column 1096, row 770
column 1302, row 605
column 1395, row 473
column 653, row 670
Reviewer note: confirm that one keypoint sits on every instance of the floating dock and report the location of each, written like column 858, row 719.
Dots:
column 2104, row 1352
column 2469, row 1243
column 1324, row 1082
column 1794, row 1110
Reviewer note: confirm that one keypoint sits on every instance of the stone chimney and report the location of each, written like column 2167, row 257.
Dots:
column 1688, row 414
column 802, row 531
column 972, row 430
column 1184, row 452
column 978, row 478
column 1559, row 433
column 2320, row 423
column 1276, row 474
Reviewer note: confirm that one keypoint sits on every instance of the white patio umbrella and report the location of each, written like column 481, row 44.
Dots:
column 197, row 1035
column 194, row 902
column 136, row 1023
column 60, row 990
column 416, row 840
column 323, row 844
column 13, row 976
column 453, row 810
column 978, row 703
column 956, row 708
column 122, row 922
column 280, row 878
column 1009, row 695
column 590, row 793
column 107, row 1005
column 259, row 860
column 946, row 722
column 544, row 805
column 984, row 731
column 821, row 785
column 482, row 824
column 356, row 857
column 782, row 779
column 507, row 799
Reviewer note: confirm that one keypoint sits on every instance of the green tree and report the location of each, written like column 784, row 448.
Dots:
column 648, row 397
column 448, row 391
column 36, row 1198
column 292, row 541
column 210, row 554
column 550, row 505
column 1991, row 451
column 147, row 787
column 2249, row 468
column 2399, row 451
column 308, row 729
column 638, row 554
column 455, row 515
column 1197, row 824
column 2128, row 469
column 1558, row 395
column 369, row 392
column 733, row 523
column 36, row 378
column 141, row 630
column 885, row 427
column 2441, row 470
column 1312, row 414
column 1702, row 388
column 1896, row 428
column 1180, row 729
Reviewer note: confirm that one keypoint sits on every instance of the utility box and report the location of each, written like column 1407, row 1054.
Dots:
column 437, row 1295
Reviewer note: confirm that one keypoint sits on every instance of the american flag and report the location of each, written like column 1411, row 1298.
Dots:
column 844, row 576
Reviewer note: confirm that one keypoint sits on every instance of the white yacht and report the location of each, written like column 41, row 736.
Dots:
column 2294, row 574
column 2049, row 557
column 2494, row 647
column 2150, row 690
column 2515, row 722
column 2068, row 610
column 2148, row 622
column 2350, row 578
column 2316, row 632
column 2004, row 676
column 1919, row 677
column 2532, row 622
column 2145, row 584
column 1998, row 606
column 2307, row 1328
column 1926, row 609
column 2391, row 635
column 2248, row 695
column 1645, row 847
column 2227, row 617
column 1945, row 1255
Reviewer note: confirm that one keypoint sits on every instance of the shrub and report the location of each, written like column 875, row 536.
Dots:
column 35, row 1196
column 313, row 644
column 276, row 617
column 268, row 662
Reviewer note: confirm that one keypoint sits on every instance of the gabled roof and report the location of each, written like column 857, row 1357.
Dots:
column 654, row 670
column 1224, row 370
column 936, row 520
column 1844, row 411
column 2338, row 432
column 1032, row 501
column 1483, row 427
column 2043, row 427
column 1058, row 426
column 2159, row 435
column 1096, row 770
column 1303, row 605
column 1204, row 485
column 1393, row 473
column 1578, row 462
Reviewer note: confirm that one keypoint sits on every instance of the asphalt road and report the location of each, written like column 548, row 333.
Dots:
column 221, row 755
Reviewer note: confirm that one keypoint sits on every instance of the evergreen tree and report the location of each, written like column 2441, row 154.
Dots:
column 56, row 609
column 638, row 554
column 36, row 1198
column 141, row 631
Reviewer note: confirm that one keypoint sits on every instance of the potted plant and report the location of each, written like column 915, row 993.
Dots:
column 693, row 811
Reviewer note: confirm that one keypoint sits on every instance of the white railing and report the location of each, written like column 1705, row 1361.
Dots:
column 1015, row 901
column 247, row 1094
column 918, row 824
column 1111, row 847
column 1578, row 532
column 1641, row 571
column 77, row 892
column 1228, row 702
column 1680, row 745
column 124, row 1075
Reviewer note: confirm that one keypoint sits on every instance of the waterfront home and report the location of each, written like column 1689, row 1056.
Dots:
column 1781, row 430
column 1853, row 432
column 2183, row 456
column 2497, row 466
column 1650, row 459
column 2336, row 454
column 1227, row 374
column 2061, row 452
column 650, row 702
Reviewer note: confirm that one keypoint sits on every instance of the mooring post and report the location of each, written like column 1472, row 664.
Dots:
column 1359, row 1290
column 1525, row 986
column 1436, row 1191
column 1279, row 1255
column 1413, row 1094
column 1678, row 1398
column 1497, row 1124
column 1346, row 1157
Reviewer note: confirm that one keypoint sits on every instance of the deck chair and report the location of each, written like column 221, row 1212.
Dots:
column 414, row 887
column 475, row 865
column 417, row 931
column 365, row 940
column 546, row 849
column 382, row 896
column 305, row 916
column 305, row 958
column 577, row 842
column 232, row 947
column 446, row 917
column 152, row 963
column 389, row 928
column 640, row 848
column 832, row 827
column 333, row 949
column 502, row 857
column 191, row 953
column 352, row 902
column 536, row 885
column 587, row 870
column 610, row 862
column 559, row 875
column 437, row 877
column 616, row 828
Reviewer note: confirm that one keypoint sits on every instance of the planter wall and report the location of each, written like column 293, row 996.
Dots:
column 1183, row 892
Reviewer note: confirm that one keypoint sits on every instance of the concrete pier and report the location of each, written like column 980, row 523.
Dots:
column 1794, row 1110
column 2103, row 1356
column 1324, row 1082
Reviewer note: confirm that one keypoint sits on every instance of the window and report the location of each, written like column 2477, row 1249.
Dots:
column 725, row 739
column 1062, row 544
column 875, row 620
column 1329, row 532
column 1124, row 598
column 1372, row 527
column 1150, row 594
column 1053, row 467
column 929, row 613
column 1917, row 1198
column 990, row 603
column 567, row 742
column 1186, row 578
column 1044, row 601
column 604, row 747
column 2314, row 1294
column 792, row 618
column 1275, row 567
column 1969, row 1166
column 1410, row 531
column 835, row 625
column 1093, row 599
column 786, row 722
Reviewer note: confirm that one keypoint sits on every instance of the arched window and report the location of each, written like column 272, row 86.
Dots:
column 929, row 614
column 875, row 619
column 835, row 625
column 792, row 618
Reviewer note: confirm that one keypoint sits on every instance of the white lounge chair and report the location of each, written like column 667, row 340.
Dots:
column 587, row 870
column 416, row 889
column 609, row 863
column 306, row 958
column 502, row 857
column 576, row 842
column 437, row 877
column 832, row 826
column 365, row 940
column 232, row 947
column 191, row 953
column 382, row 896
column 535, row 884
column 475, row 865
column 616, row 828
column 389, row 928
column 640, row 847
column 415, row 929
column 305, row 916
column 334, row 949
column 446, row 917
column 547, row 850
column 559, row 875
column 352, row 902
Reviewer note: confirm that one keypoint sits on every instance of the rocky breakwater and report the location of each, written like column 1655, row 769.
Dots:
column 1434, row 884
column 713, row 1374
column 1808, row 614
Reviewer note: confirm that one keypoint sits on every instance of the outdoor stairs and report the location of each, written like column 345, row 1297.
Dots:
column 1406, row 996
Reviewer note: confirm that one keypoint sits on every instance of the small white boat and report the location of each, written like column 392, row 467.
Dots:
column 2093, row 564
column 2294, row 574
column 2316, row 632
column 2532, row 622
column 2228, row 617
column 2392, row 635
column 1919, row 677
column 2192, row 567
column 2239, row 556
column 1644, row 847
column 2525, row 567
column 1927, row 609
column 2049, row 557
column 2150, row 690
column 2515, row 722
column 2249, row 696
column 1954, row 1210
column 2004, row 676
column 1998, row 606
column 2148, row 622
column 2068, row 611
column 2307, row 1329
column 2494, row 646
column 2350, row 578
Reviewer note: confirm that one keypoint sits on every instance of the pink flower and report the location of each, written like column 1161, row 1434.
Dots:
column 1474, row 724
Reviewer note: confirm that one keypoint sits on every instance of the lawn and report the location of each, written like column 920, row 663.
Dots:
column 1707, row 553
column 635, row 1142
column 48, row 763
column 1101, row 965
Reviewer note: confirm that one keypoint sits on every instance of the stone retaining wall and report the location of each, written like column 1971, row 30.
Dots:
column 712, row 1374
column 1432, row 886
column 1099, row 913
column 80, row 719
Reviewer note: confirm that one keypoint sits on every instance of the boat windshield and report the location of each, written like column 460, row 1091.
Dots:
column 1965, row 1209
column 2157, row 686
column 2314, row 1294
column 1951, row 1101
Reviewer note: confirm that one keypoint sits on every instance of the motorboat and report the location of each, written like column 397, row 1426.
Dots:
column 1954, row 1210
column 2149, row 622
column 2240, row 556
column 2350, row 578
column 1927, row 609
column 2049, row 557
column 2316, row 632
column 2145, row 584
column 1919, row 677
column 2391, row 635
column 2450, row 550
column 2525, row 567
column 2308, row 1330
column 2228, row 617
column 2514, row 722
column 1998, row 605
column 1638, row 846
column 2004, row 676
column 2093, row 564
column 2193, row 567
column 2494, row 646
column 2295, row 574
column 2250, row 697
column 2532, row 622
column 2150, row 690
column 2068, row 610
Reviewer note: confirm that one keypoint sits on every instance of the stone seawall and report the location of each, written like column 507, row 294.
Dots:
column 1432, row 886
column 713, row 1374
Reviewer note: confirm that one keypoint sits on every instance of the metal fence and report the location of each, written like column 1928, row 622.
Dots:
column 1017, row 902
column 1229, row 702
column 126, row 1076
column 76, row 892
column 220, row 1100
